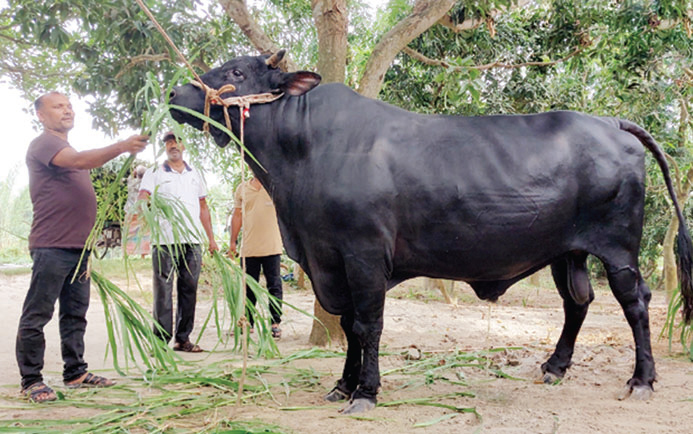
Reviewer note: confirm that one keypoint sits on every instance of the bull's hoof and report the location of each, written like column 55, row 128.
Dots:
column 637, row 393
column 552, row 374
column 359, row 405
column 336, row 395
column 551, row 378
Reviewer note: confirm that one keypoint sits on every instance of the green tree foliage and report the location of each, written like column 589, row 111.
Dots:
column 15, row 216
column 105, row 49
column 102, row 178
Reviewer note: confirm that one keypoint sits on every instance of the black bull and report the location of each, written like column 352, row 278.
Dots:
column 369, row 195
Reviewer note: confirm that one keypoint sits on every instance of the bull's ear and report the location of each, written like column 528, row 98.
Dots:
column 298, row 83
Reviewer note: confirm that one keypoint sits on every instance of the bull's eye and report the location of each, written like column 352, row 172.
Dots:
column 233, row 75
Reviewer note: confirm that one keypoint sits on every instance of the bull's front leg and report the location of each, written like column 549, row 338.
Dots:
column 352, row 366
column 364, row 397
column 368, row 286
column 361, row 376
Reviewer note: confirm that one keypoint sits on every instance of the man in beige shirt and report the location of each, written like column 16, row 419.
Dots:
column 262, row 243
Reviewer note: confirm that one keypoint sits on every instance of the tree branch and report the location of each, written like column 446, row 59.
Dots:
column 424, row 14
column 202, row 65
column 238, row 12
column 423, row 59
column 136, row 60
column 677, row 173
column 11, row 39
column 428, row 61
column 446, row 21
column 473, row 23
column 22, row 74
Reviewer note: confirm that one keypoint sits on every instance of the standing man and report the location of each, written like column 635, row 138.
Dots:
column 177, row 180
column 262, row 243
column 137, row 240
column 64, row 205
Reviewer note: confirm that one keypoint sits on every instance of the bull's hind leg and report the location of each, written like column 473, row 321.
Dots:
column 633, row 295
column 570, row 276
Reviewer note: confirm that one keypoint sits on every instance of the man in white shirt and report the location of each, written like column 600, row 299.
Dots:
column 178, row 180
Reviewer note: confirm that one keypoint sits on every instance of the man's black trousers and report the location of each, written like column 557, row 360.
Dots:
column 51, row 279
column 271, row 269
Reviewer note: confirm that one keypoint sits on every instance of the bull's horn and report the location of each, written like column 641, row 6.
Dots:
column 273, row 60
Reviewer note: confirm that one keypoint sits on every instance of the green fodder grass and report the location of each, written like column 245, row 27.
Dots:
column 674, row 325
column 203, row 396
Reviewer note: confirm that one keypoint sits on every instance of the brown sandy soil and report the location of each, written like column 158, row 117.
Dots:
column 529, row 317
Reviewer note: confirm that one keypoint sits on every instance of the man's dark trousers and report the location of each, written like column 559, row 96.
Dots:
column 185, row 260
column 51, row 279
column 271, row 268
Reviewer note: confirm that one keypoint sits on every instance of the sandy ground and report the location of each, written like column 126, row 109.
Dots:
column 527, row 317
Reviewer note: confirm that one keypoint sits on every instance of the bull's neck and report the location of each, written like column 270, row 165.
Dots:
column 274, row 135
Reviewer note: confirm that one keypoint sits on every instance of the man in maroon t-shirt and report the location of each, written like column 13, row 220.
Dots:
column 64, row 213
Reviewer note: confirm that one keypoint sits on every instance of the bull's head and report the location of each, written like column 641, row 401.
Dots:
column 250, row 75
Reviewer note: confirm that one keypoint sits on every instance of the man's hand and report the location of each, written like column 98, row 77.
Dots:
column 213, row 246
column 134, row 144
column 232, row 253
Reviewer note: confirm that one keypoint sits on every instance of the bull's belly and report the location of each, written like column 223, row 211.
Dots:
column 490, row 259
column 470, row 270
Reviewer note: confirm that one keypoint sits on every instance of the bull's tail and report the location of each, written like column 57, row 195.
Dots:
column 683, row 242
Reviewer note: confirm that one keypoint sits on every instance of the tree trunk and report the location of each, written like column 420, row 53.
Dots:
column 238, row 12
column 669, row 272
column 330, row 323
column 671, row 280
column 300, row 276
column 682, row 187
column 331, row 22
column 534, row 279
column 431, row 284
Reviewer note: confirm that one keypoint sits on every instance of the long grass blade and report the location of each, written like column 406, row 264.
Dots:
column 131, row 328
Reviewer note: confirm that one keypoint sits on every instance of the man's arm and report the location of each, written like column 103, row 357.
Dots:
column 69, row 158
column 236, row 223
column 206, row 220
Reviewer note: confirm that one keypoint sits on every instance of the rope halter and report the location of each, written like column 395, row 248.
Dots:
column 213, row 96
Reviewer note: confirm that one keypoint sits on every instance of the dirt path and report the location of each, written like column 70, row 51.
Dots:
column 527, row 317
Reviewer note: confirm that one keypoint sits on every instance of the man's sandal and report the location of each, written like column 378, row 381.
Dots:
column 39, row 392
column 89, row 380
column 187, row 347
column 276, row 332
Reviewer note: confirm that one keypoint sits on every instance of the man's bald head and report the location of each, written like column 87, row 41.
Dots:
column 55, row 112
column 38, row 103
